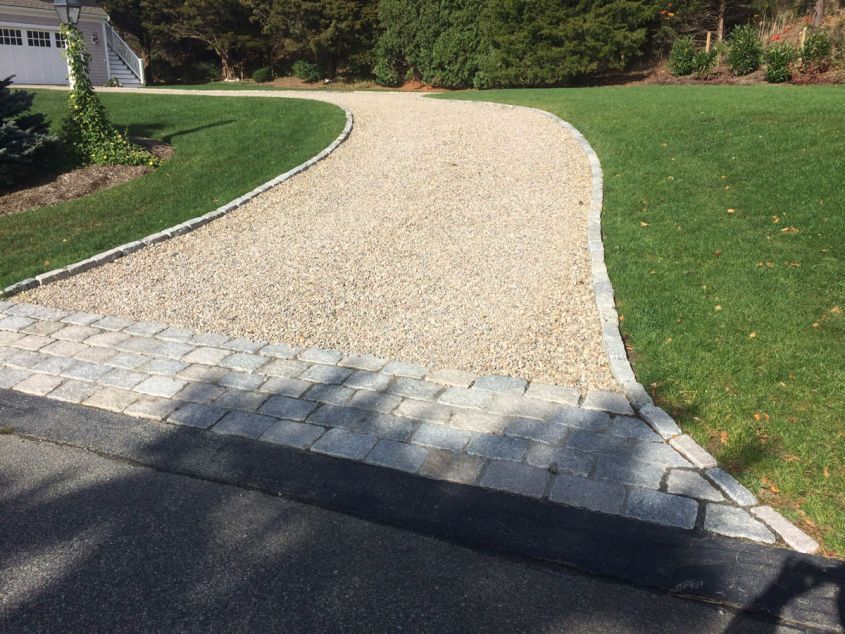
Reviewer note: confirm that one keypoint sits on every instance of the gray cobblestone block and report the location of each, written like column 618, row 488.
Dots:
column 241, row 380
column 452, row 378
column 498, row 447
column 21, row 309
column 285, row 387
column 733, row 522
column 415, row 388
column 580, row 418
column 599, row 443
column 661, row 508
column 48, row 313
column 141, row 345
column 441, row 437
column 513, row 405
column 38, row 384
column 32, row 342
column 462, row 397
column 321, row 355
column 364, row 380
column 279, row 351
column 693, row 452
column 122, row 378
column 291, row 434
column 209, row 340
column 537, row 430
column 75, row 333
column 730, row 487
column 397, row 455
column 112, row 399
column 637, row 395
column 24, row 359
column 7, row 337
column 515, row 477
column 289, row 368
column 344, row 444
column 363, row 362
column 692, row 484
column 9, row 377
column 205, row 373
column 660, row 421
column 375, row 401
column 206, row 356
column 152, row 408
column 560, row 459
column 245, row 424
column 337, row 416
column 131, row 247
column 594, row 495
column 173, row 349
column 612, row 402
column 424, row 411
column 480, row 422
column 155, row 238
column 85, row 371
column 243, row 361
column 288, row 408
column 794, row 537
column 44, row 328
column 5, row 305
column 500, row 384
column 106, row 256
column 553, row 394
column 452, row 467
column 409, row 370
column 241, row 399
column 328, row 374
column 196, row 415
column 630, row 427
column 247, row 346
column 164, row 386
column 82, row 319
column 656, row 453
column 621, row 371
column 199, row 393
column 144, row 328
column 617, row 469
column 167, row 367
column 81, row 266
column 73, row 391
column 127, row 360
column 175, row 334
column 53, row 365
column 333, row 394
column 15, row 323
column 64, row 348
column 112, row 323
column 615, row 349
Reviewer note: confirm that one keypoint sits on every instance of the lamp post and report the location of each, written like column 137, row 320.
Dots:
column 68, row 10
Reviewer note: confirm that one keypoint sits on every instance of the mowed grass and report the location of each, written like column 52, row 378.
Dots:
column 223, row 148
column 724, row 224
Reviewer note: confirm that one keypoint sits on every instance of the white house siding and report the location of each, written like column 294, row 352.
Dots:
column 89, row 25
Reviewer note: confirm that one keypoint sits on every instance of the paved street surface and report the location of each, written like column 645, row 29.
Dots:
column 90, row 543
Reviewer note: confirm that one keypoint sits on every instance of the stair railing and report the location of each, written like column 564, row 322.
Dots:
column 125, row 53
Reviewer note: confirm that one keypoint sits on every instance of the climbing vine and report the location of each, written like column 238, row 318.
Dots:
column 87, row 128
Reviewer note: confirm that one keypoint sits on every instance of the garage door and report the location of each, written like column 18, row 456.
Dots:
column 34, row 56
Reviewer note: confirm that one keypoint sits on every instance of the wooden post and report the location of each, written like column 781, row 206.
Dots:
column 707, row 46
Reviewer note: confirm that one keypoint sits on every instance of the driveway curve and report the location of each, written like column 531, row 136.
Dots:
column 450, row 234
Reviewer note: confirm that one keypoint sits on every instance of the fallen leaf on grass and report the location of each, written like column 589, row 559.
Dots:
column 643, row 224
column 789, row 230
column 731, row 211
column 826, row 473
column 775, row 220
column 723, row 438
column 752, row 334
column 718, row 307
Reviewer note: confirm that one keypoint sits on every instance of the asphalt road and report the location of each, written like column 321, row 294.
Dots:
column 90, row 543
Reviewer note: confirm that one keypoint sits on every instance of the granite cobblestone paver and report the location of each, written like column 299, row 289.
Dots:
column 528, row 439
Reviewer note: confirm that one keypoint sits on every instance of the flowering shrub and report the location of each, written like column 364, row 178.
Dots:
column 779, row 58
column 87, row 128
column 682, row 56
column 745, row 50
column 816, row 53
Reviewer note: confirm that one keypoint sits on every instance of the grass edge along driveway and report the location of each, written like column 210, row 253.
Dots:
column 223, row 148
column 724, row 226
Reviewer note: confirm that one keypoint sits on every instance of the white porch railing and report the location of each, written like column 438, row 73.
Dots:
column 125, row 53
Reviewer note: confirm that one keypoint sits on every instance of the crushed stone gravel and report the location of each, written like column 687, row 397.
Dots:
column 445, row 233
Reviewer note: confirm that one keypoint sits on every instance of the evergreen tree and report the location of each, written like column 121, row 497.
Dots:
column 22, row 135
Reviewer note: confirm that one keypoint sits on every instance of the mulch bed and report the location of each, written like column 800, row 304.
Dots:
column 78, row 182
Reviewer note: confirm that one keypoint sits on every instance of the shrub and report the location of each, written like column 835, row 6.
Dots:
column 682, row 56
column 306, row 71
column 205, row 71
column 778, row 59
column 22, row 135
column 816, row 52
column 745, row 50
column 703, row 63
column 262, row 75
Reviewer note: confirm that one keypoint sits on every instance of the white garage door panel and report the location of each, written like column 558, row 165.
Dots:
column 32, row 55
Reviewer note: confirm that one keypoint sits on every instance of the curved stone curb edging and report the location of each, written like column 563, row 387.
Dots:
column 177, row 230
column 620, row 366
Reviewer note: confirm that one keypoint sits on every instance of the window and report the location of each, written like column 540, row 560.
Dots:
column 60, row 41
column 10, row 37
column 38, row 38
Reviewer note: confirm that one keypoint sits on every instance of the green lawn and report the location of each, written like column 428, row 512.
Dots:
column 724, row 225
column 223, row 148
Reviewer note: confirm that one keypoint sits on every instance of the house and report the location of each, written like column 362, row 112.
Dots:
column 32, row 49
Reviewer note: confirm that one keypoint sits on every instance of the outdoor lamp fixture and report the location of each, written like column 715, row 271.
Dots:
column 68, row 10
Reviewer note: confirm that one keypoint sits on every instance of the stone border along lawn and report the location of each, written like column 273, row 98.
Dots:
column 478, row 435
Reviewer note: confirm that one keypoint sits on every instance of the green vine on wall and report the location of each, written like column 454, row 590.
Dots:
column 87, row 128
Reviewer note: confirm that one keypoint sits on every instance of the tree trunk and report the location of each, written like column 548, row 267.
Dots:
column 229, row 70
column 818, row 16
column 720, row 29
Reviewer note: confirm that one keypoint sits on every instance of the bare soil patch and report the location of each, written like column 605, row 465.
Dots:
column 78, row 182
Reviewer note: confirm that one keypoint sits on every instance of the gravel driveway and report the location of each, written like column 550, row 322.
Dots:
column 450, row 234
